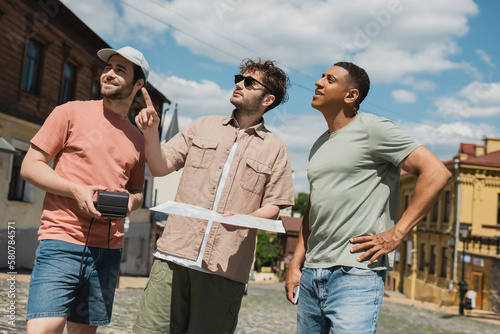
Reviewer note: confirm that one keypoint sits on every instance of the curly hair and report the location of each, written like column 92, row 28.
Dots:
column 358, row 78
column 272, row 76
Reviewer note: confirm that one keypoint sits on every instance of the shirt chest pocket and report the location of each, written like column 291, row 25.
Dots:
column 202, row 153
column 255, row 175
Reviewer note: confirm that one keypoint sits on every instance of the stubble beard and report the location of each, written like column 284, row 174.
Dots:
column 119, row 93
column 248, row 108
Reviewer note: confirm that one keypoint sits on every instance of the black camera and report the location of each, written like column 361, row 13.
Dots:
column 112, row 204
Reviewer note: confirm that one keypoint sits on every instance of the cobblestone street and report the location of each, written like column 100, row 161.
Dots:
column 264, row 310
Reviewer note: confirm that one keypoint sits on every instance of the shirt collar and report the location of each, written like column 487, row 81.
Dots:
column 259, row 129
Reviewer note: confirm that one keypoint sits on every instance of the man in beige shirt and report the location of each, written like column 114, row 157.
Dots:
column 231, row 165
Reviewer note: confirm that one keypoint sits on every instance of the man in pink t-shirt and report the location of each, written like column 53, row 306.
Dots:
column 94, row 147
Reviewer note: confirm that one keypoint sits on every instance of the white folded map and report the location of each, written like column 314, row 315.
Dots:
column 194, row 211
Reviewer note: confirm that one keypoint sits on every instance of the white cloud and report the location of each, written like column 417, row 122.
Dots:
column 195, row 99
column 436, row 135
column 395, row 41
column 478, row 99
column 418, row 84
column 387, row 64
column 101, row 16
column 404, row 96
column 485, row 57
column 390, row 39
column 183, row 121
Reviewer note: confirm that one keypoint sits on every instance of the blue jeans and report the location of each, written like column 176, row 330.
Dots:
column 340, row 300
column 56, row 290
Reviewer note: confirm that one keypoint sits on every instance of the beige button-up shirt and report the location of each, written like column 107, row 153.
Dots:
column 260, row 175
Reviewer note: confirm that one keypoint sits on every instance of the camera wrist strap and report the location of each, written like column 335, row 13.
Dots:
column 84, row 247
column 86, row 242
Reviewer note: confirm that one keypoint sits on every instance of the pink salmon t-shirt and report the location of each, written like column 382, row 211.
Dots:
column 91, row 145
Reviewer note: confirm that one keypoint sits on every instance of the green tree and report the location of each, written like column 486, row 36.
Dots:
column 266, row 253
column 301, row 202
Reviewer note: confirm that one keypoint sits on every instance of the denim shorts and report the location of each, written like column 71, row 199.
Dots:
column 57, row 290
column 340, row 300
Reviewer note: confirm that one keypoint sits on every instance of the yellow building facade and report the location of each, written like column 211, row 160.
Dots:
column 431, row 260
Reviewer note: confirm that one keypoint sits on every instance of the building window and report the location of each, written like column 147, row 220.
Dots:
column 422, row 257
column 435, row 211
column 142, row 244
column 19, row 190
column 409, row 253
column 432, row 263
column 125, row 250
column 444, row 261
column 68, row 89
column 407, row 201
column 447, row 206
column 32, row 66
column 96, row 90
column 498, row 210
column 397, row 254
column 17, row 184
column 145, row 194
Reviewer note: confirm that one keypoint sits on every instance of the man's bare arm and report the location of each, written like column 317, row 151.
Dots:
column 294, row 268
column 36, row 170
column 432, row 177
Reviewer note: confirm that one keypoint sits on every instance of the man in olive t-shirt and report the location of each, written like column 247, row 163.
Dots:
column 350, row 227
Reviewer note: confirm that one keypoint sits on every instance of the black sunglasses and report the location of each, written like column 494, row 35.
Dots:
column 249, row 81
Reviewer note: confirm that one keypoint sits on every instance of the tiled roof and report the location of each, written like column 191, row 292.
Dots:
column 491, row 160
column 466, row 148
column 292, row 224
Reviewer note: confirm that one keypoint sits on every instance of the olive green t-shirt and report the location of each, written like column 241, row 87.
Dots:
column 354, row 178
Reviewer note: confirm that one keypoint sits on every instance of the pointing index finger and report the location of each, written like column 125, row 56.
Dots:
column 145, row 93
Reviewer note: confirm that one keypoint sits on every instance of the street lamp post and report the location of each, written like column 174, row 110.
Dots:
column 462, row 285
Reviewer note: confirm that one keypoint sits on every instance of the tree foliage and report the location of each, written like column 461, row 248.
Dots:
column 266, row 253
column 301, row 202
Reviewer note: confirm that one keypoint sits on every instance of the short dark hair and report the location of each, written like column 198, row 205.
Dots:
column 138, row 74
column 358, row 78
column 273, row 77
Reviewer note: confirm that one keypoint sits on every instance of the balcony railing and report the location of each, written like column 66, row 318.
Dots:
column 488, row 245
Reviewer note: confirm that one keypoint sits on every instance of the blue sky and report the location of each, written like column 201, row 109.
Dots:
column 432, row 64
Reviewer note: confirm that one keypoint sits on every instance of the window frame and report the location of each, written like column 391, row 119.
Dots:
column 444, row 262
column 421, row 265
column 95, row 90
column 498, row 210
column 71, row 89
column 35, row 68
column 435, row 212
column 447, row 206
column 432, row 262
column 27, row 193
